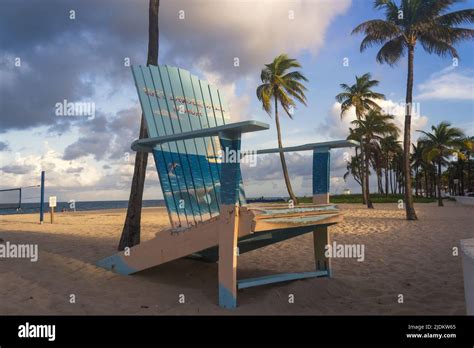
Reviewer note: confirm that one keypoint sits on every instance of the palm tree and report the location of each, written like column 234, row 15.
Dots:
column 373, row 128
column 131, row 228
column 361, row 97
column 354, row 166
column 442, row 142
column 424, row 21
column 389, row 146
column 417, row 163
column 282, row 86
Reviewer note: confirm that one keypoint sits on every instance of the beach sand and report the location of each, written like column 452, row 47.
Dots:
column 414, row 259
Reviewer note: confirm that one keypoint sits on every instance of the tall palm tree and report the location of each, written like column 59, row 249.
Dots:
column 424, row 21
column 361, row 96
column 282, row 86
column 373, row 128
column 131, row 228
column 438, row 145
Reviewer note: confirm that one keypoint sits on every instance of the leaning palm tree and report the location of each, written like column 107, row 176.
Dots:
column 360, row 96
column 442, row 142
column 424, row 21
column 131, row 228
column 282, row 86
column 373, row 128
column 354, row 165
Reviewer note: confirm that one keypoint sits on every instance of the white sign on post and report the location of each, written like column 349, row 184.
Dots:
column 52, row 201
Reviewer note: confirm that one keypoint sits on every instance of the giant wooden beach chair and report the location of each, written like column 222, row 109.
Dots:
column 197, row 154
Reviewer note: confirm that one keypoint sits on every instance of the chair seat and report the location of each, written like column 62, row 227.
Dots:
column 274, row 223
column 280, row 216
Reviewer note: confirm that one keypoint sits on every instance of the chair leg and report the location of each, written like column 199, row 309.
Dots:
column 228, row 236
column 321, row 239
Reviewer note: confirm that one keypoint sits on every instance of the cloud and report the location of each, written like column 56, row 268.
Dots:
column 4, row 146
column 60, row 58
column 59, row 173
column 447, row 85
column 106, row 136
column 17, row 169
column 338, row 128
column 214, row 33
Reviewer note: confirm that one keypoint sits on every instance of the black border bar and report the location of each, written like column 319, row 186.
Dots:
column 139, row 330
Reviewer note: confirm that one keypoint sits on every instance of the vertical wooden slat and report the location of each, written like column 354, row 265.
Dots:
column 179, row 109
column 321, row 178
column 179, row 167
column 145, row 91
column 199, row 166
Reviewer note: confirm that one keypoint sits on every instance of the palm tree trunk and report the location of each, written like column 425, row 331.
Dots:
column 410, row 210
column 282, row 157
column 362, row 163
column 386, row 176
column 391, row 179
column 367, row 188
column 469, row 185
column 426, row 183
column 416, row 181
column 131, row 229
column 438, row 184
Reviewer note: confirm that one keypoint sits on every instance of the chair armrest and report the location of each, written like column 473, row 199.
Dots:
column 147, row 144
column 306, row 147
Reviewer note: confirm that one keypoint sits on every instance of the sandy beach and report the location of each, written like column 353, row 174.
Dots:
column 414, row 259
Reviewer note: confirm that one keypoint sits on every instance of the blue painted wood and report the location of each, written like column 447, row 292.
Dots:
column 234, row 128
column 257, row 240
column 276, row 278
column 312, row 146
column 230, row 172
column 175, row 102
column 226, row 298
column 321, row 166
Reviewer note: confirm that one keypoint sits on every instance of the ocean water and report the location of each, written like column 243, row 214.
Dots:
column 28, row 208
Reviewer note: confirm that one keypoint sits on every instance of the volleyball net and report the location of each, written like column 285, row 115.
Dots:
column 10, row 198
column 16, row 198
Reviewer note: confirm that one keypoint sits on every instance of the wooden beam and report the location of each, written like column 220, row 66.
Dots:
column 229, row 219
column 276, row 278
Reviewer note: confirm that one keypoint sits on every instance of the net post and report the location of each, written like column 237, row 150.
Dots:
column 42, row 198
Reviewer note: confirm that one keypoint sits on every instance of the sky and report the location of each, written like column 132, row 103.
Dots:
column 78, row 51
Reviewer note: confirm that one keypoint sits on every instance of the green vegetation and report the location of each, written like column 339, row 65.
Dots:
column 427, row 23
column 376, row 198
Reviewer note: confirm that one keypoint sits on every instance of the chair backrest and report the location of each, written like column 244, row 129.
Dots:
column 174, row 101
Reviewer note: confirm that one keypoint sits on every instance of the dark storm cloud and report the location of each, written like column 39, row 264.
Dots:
column 74, row 170
column 17, row 169
column 106, row 137
column 63, row 58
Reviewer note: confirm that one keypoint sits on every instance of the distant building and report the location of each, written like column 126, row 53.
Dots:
column 346, row 192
